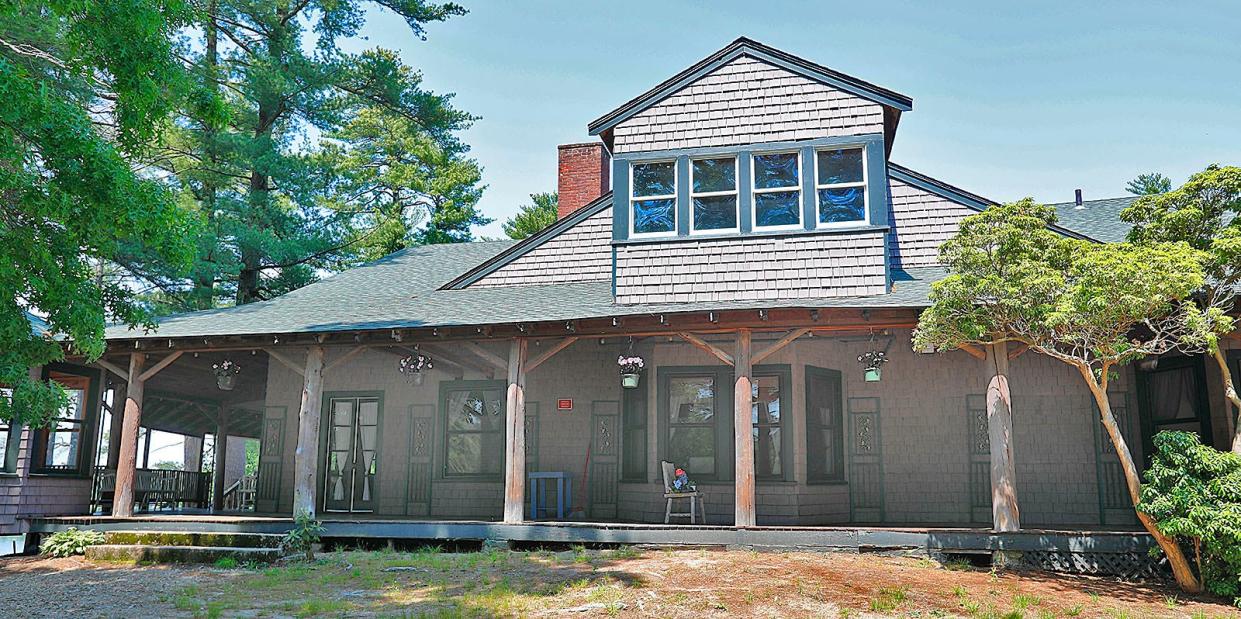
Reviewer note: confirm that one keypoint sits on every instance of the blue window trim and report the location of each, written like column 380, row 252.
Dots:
column 876, row 186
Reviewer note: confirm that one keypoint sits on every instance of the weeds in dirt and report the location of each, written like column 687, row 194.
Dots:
column 226, row 563
column 889, row 598
column 1074, row 611
column 1023, row 601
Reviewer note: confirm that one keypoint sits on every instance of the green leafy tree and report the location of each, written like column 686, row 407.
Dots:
column 530, row 218
column 1149, row 184
column 1093, row 306
column 1194, row 493
column 1205, row 212
column 86, row 87
column 273, row 79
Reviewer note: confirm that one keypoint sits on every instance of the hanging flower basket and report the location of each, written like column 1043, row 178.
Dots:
column 226, row 374
column 414, row 367
column 630, row 370
column 872, row 361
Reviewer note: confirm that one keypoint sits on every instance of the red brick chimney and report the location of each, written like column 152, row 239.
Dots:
column 583, row 175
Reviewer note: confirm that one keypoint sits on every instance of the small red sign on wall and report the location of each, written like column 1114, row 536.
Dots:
column 564, row 404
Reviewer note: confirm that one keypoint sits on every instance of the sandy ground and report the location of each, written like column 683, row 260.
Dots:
column 581, row 583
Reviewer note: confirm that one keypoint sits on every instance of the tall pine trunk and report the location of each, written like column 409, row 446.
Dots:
column 202, row 295
column 1181, row 569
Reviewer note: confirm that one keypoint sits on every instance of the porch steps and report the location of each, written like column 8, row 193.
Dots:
column 186, row 547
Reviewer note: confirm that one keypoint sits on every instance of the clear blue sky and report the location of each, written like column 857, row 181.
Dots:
column 1009, row 101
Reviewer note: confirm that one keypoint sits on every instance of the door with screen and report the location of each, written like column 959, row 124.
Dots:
column 1174, row 397
column 351, row 458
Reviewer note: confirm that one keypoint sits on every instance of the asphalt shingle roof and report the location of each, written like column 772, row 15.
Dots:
column 403, row 290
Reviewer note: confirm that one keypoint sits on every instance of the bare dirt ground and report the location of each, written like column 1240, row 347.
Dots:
column 580, row 583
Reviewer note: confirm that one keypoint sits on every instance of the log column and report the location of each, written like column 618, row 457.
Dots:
column 515, row 422
column 221, row 460
column 127, row 461
column 308, row 434
column 115, row 430
column 1004, row 512
column 742, row 433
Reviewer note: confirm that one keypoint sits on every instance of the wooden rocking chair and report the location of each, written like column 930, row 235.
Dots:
column 669, row 471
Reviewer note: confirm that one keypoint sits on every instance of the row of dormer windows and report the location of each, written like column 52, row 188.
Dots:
column 776, row 182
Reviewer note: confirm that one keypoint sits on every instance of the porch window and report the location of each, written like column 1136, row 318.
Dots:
column 840, row 186
column 61, row 447
column 777, row 190
column 653, row 191
column 770, row 399
column 692, row 432
column 825, row 460
column 474, row 423
column 713, row 194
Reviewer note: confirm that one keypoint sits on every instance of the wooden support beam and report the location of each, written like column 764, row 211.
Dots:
column 285, row 361
column 127, row 461
column 1006, row 517
column 307, row 453
column 743, row 441
column 112, row 367
column 1018, row 351
column 515, row 445
column 345, row 357
column 221, row 460
column 163, row 363
column 496, row 361
column 549, row 353
column 707, row 347
column 465, row 362
column 779, row 344
column 974, row 351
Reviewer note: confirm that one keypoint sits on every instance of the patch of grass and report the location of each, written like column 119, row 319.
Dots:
column 1074, row 611
column 1171, row 601
column 1022, row 601
column 626, row 552
column 226, row 563
column 579, row 554
column 319, row 606
column 888, row 599
column 960, row 592
column 958, row 565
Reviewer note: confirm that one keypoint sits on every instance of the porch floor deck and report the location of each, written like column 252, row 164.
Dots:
column 841, row 538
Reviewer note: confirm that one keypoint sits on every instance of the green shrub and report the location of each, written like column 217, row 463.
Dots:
column 302, row 538
column 69, row 542
column 1194, row 494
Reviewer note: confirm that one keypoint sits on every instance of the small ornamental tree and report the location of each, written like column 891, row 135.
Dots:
column 1092, row 306
column 1205, row 212
column 1194, row 492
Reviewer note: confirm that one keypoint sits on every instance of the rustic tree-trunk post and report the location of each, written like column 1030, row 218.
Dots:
column 1230, row 397
column 304, row 459
column 115, row 430
column 127, row 462
column 1005, row 514
column 221, row 460
column 743, row 439
column 1181, row 569
column 515, row 421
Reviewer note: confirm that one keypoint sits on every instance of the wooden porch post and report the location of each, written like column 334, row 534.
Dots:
column 308, row 434
column 743, row 439
column 515, row 420
column 1004, row 512
column 127, row 459
column 115, row 430
column 221, row 460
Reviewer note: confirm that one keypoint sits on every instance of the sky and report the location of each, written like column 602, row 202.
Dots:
column 1010, row 100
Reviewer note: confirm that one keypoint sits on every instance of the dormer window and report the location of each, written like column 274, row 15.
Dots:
column 713, row 195
column 840, row 186
column 777, row 190
column 653, row 198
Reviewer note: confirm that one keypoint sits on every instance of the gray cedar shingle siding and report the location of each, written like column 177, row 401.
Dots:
column 784, row 267
column 582, row 253
column 747, row 101
column 920, row 222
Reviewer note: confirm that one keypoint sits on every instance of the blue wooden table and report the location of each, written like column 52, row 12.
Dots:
column 538, row 493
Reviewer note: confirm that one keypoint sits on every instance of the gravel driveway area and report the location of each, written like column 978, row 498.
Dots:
column 74, row 587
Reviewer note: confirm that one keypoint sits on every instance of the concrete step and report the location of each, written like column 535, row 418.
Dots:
column 179, row 554
column 189, row 538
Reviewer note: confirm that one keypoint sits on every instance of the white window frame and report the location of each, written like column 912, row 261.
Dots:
column 735, row 193
column 673, row 196
column 755, row 191
column 863, row 184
